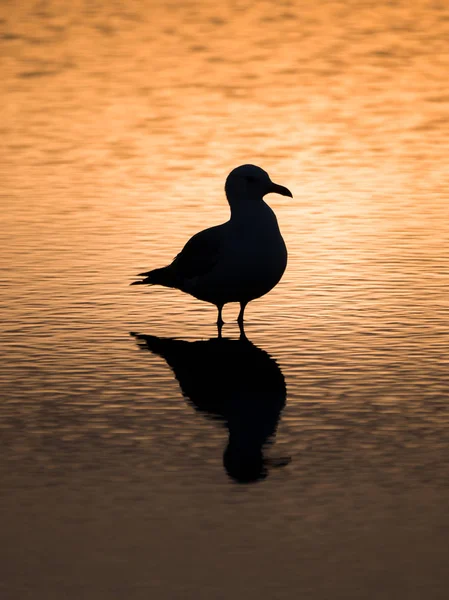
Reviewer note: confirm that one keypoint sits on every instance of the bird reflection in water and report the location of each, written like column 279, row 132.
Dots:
column 236, row 381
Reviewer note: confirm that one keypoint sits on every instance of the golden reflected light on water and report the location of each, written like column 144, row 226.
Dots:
column 120, row 123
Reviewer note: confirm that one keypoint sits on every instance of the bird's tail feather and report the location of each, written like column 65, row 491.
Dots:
column 162, row 276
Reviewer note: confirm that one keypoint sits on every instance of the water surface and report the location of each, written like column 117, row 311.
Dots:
column 119, row 127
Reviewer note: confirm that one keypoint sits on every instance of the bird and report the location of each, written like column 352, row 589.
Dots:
column 237, row 383
column 237, row 261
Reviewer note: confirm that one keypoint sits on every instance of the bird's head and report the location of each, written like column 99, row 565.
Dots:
column 249, row 182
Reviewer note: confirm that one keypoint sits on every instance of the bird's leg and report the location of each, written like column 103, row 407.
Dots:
column 242, row 337
column 240, row 317
column 220, row 321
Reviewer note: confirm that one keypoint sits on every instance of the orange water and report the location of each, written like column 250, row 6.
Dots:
column 119, row 125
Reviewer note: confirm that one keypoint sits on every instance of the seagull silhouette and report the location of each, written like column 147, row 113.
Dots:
column 237, row 382
column 237, row 261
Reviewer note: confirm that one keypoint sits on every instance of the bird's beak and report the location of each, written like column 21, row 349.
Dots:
column 280, row 189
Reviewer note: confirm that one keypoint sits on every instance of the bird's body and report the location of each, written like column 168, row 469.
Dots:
column 229, row 263
column 238, row 261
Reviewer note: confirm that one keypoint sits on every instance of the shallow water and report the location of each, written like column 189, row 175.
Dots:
column 119, row 127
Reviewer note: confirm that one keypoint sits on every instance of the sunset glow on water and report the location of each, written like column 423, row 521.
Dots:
column 120, row 123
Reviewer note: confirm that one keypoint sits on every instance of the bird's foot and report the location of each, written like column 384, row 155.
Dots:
column 241, row 315
column 242, row 329
column 220, row 324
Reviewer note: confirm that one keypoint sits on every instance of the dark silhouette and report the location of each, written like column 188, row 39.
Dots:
column 237, row 382
column 237, row 261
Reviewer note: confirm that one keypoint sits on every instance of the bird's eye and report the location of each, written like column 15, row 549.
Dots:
column 250, row 178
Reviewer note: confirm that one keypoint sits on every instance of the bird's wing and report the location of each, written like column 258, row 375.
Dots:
column 200, row 254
